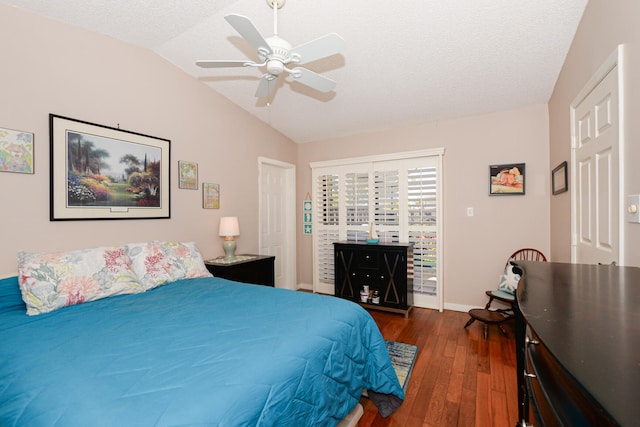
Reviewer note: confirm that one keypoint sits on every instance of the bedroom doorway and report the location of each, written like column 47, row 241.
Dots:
column 277, row 222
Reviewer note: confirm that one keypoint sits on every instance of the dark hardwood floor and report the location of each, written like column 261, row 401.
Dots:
column 458, row 378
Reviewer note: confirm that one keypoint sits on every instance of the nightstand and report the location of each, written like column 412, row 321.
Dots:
column 247, row 268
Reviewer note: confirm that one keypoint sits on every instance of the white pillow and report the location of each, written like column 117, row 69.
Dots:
column 510, row 278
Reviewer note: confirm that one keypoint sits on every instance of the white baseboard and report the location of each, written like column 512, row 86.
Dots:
column 447, row 306
column 305, row 287
column 459, row 307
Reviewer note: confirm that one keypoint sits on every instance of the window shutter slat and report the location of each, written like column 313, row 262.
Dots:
column 424, row 262
column 422, row 192
column 357, row 198
column 324, row 256
column 328, row 199
column 386, row 197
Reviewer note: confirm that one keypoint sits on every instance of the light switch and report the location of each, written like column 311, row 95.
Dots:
column 469, row 211
column 633, row 208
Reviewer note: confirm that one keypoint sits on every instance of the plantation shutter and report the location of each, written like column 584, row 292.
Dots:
column 327, row 205
column 400, row 195
column 422, row 216
column 386, row 203
column 357, row 205
column 387, row 197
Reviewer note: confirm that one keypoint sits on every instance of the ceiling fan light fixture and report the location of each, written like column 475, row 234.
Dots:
column 275, row 67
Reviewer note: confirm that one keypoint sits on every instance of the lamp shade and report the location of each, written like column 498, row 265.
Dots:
column 229, row 226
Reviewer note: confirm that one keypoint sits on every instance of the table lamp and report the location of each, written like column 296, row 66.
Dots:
column 229, row 228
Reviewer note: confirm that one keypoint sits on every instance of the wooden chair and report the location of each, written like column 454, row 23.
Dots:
column 498, row 316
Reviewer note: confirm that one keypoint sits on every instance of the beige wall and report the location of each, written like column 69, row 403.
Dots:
column 47, row 67
column 604, row 25
column 475, row 248
column 50, row 67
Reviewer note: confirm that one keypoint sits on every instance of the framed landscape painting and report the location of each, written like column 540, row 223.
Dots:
column 100, row 172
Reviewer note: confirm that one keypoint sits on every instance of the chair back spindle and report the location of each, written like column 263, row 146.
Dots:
column 527, row 254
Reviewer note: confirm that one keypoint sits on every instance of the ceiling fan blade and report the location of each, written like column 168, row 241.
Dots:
column 266, row 87
column 205, row 63
column 319, row 48
column 313, row 80
column 249, row 32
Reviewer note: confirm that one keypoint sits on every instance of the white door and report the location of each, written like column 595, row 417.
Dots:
column 596, row 165
column 277, row 218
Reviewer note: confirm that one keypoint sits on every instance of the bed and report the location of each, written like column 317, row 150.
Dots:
column 191, row 351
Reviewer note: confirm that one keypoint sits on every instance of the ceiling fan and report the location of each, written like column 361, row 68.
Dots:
column 277, row 55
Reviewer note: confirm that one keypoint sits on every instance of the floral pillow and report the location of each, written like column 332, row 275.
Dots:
column 510, row 278
column 49, row 281
column 156, row 263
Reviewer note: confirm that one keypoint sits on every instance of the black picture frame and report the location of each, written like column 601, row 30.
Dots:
column 507, row 179
column 559, row 179
column 100, row 172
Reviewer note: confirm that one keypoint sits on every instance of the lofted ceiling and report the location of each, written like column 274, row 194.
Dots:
column 405, row 62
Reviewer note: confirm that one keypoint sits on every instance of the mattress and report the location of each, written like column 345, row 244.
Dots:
column 204, row 351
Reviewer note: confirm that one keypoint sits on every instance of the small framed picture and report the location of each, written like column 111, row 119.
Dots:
column 559, row 180
column 210, row 196
column 507, row 179
column 187, row 175
column 16, row 151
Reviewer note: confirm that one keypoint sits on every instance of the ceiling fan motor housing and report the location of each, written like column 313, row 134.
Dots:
column 279, row 55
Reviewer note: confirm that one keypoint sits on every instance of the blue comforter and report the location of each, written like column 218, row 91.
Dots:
column 194, row 352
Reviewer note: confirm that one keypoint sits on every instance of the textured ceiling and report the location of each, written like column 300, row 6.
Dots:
column 405, row 62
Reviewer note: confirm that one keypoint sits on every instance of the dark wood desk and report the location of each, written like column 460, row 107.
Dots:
column 581, row 364
column 258, row 269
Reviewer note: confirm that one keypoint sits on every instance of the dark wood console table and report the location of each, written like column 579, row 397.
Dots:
column 578, row 344
column 384, row 267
